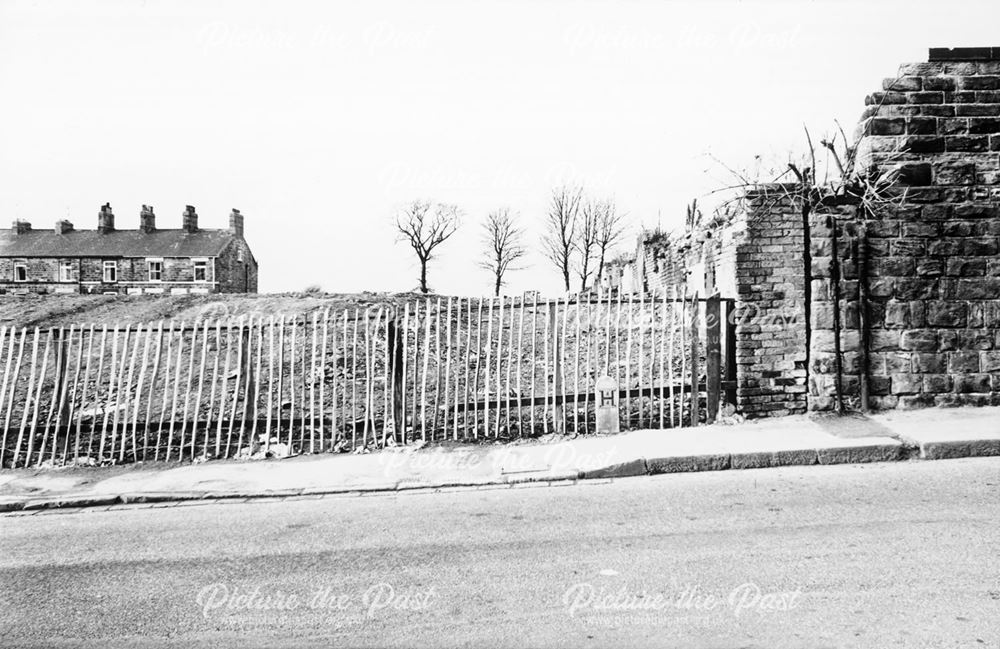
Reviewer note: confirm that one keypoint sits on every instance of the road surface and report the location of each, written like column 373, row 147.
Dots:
column 887, row 555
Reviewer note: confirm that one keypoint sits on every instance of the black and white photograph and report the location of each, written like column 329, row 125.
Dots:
column 500, row 323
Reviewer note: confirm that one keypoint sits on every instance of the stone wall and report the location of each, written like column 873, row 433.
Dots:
column 236, row 269
column 919, row 234
column 934, row 270
column 88, row 275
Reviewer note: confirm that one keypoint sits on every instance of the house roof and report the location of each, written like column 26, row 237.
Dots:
column 118, row 243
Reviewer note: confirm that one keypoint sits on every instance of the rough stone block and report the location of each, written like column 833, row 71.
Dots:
column 958, row 229
column 963, row 362
column 923, row 144
column 882, row 339
column 920, row 340
column 975, row 339
column 949, row 340
column 978, row 83
column 879, row 385
column 906, row 383
column 934, row 97
column 939, row 83
column 947, row 314
column 889, row 402
column 966, row 143
column 908, row 248
column 953, row 125
column 960, row 97
column 946, row 400
column 920, row 229
column 984, row 125
column 989, row 361
column 937, row 383
column 894, row 267
column 952, row 172
column 929, row 363
column 984, row 288
column 977, row 110
column 885, row 98
column 921, row 125
column 979, row 383
column 929, row 268
column 944, row 248
column 886, row 126
column 979, row 246
column 898, row 363
column 904, row 84
column 959, row 267
column 897, row 315
column 914, row 289
column 883, row 228
column 916, row 401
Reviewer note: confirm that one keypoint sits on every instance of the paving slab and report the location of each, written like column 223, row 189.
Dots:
column 947, row 433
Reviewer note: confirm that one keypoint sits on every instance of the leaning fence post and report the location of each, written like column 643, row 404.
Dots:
column 396, row 373
column 694, row 359
column 713, row 358
column 730, row 325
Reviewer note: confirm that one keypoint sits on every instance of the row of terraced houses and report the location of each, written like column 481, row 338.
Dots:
column 147, row 260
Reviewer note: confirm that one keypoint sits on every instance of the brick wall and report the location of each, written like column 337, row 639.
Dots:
column 771, row 349
column 757, row 257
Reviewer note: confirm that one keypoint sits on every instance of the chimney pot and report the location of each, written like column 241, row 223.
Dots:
column 190, row 219
column 63, row 226
column 105, row 219
column 236, row 223
column 147, row 220
column 20, row 227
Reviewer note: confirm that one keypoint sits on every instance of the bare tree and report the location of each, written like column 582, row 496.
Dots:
column 503, row 241
column 558, row 239
column 610, row 230
column 586, row 239
column 425, row 227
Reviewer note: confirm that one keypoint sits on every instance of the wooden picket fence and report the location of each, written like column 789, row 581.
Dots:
column 455, row 368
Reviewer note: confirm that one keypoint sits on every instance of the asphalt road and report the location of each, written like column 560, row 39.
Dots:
column 893, row 555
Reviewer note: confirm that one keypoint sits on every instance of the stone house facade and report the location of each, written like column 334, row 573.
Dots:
column 148, row 260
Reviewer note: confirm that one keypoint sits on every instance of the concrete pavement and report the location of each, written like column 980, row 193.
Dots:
column 879, row 555
column 926, row 434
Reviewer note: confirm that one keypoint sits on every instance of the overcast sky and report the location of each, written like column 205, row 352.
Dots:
column 319, row 119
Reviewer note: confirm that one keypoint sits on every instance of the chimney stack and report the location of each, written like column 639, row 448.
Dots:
column 105, row 219
column 20, row 227
column 63, row 226
column 147, row 220
column 236, row 223
column 190, row 219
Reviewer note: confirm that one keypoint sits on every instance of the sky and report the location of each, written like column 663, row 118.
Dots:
column 320, row 120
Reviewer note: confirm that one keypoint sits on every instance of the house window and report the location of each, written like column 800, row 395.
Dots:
column 20, row 271
column 155, row 268
column 239, row 254
column 66, row 271
column 110, row 272
column 201, row 270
